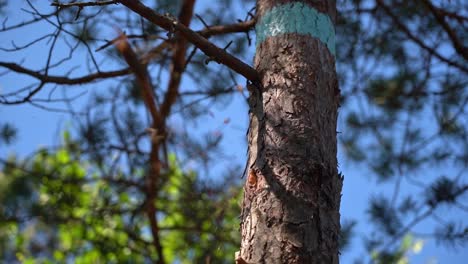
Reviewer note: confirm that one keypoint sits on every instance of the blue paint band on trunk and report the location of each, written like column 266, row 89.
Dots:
column 296, row 18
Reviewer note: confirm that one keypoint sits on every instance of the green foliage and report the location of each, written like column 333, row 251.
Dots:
column 57, row 207
column 391, row 94
column 382, row 213
column 404, row 98
column 408, row 246
column 444, row 190
column 187, row 204
column 453, row 234
column 8, row 133
column 404, row 110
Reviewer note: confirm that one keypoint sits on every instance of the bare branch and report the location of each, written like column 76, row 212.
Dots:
column 202, row 43
column 17, row 48
column 24, row 23
column 142, row 75
column 61, row 79
column 83, row 4
column 132, row 36
column 418, row 41
column 208, row 32
column 457, row 44
column 243, row 26
column 178, row 61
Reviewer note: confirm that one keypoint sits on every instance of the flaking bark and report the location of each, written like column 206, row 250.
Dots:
column 291, row 205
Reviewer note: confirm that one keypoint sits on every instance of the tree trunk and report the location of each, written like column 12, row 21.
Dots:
column 292, row 193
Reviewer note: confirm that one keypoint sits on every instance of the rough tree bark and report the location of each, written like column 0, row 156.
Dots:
column 292, row 193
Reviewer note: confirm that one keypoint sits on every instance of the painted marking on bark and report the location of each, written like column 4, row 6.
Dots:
column 296, row 18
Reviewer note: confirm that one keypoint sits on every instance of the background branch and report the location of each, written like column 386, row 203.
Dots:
column 202, row 43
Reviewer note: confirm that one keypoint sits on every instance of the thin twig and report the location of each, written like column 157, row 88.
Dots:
column 202, row 43
column 83, row 4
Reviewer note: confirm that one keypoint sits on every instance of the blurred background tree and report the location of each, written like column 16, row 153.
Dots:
column 92, row 198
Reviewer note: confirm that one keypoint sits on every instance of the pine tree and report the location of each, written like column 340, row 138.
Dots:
column 292, row 194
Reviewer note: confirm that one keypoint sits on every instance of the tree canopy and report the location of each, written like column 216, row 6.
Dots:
column 120, row 71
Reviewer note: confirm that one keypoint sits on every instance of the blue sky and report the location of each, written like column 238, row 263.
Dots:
column 38, row 127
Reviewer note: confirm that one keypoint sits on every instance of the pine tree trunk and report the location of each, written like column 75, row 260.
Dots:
column 292, row 193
